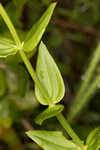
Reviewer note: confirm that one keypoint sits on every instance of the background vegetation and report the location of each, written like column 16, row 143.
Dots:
column 71, row 37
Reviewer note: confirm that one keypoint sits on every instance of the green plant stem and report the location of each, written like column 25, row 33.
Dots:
column 10, row 25
column 85, row 99
column 84, row 84
column 69, row 130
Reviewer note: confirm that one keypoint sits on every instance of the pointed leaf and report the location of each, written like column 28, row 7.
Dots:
column 35, row 34
column 93, row 139
column 52, row 140
column 50, row 78
column 49, row 113
column 7, row 47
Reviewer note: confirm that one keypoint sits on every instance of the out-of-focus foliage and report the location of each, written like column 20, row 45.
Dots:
column 16, row 94
column 72, row 34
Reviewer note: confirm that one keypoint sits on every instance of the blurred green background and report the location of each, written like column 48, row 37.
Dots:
column 71, row 37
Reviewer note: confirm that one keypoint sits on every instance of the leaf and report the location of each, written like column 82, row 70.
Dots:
column 93, row 139
column 52, row 140
column 49, row 113
column 7, row 47
column 35, row 34
column 49, row 77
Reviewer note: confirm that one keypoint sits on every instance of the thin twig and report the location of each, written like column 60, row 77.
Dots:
column 70, row 25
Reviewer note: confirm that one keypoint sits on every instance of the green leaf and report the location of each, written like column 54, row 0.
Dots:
column 35, row 34
column 52, row 140
column 49, row 113
column 49, row 77
column 7, row 47
column 93, row 139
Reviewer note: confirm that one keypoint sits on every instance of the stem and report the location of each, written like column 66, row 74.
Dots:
column 33, row 74
column 69, row 130
column 85, row 83
column 10, row 25
column 85, row 99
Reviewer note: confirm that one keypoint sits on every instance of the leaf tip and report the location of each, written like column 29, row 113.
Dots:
column 42, row 45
